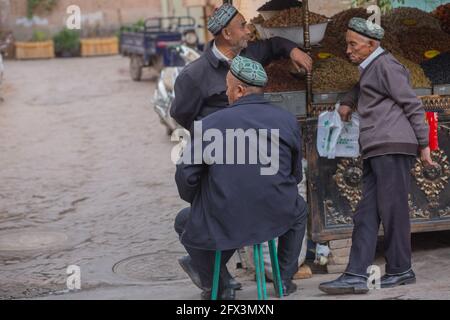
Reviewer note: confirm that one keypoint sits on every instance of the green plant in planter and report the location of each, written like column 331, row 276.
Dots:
column 135, row 27
column 67, row 43
column 39, row 36
column 33, row 5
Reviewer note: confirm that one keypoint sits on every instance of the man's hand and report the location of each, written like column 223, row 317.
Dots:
column 425, row 157
column 302, row 59
column 345, row 112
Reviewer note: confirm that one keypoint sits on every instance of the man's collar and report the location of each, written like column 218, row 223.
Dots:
column 371, row 58
column 211, row 56
column 219, row 55
column 254, row 98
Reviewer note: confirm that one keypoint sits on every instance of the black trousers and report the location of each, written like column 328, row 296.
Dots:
column 289, row 247
column 386, row 185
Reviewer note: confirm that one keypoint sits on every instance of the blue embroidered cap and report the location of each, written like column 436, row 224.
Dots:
column 221, row 18
column 249, row 71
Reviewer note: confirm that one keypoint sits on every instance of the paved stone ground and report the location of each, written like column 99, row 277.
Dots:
column 86, row 180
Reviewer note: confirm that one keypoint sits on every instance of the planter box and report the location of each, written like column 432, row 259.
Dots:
column 35, row 50
column 99, row 46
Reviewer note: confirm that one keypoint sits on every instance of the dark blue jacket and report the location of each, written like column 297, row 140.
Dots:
column 233, row 205
column 201, row 87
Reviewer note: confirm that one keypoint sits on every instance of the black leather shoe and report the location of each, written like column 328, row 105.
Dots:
column 186, row 263
column 390, row 281
column 230, row 282
column 226, row 294
column 345, row 284
column 289, row 287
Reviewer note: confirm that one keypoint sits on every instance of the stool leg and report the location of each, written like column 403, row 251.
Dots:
column 275, row 269
column 216, row 277
column 262, row 273
column 256, row 258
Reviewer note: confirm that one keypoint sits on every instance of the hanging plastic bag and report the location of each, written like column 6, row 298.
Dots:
column 328, row 131
column 348, row 142
column 336, row 138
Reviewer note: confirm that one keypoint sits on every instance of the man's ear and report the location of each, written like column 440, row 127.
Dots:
column 226, row 33
column 373, row 44
column 242, row 90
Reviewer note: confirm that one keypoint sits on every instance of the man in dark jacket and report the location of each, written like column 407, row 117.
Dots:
column 243, row 192
column 200, row 88
column 393, row 131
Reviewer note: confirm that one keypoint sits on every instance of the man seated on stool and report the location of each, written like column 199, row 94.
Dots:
column 237, row 201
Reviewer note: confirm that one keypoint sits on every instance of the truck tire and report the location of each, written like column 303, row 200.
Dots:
column 136, row 65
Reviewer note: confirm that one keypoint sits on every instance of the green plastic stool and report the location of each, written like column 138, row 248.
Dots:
column 260, row 273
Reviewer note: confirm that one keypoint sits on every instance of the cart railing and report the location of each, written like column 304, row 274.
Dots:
column 170, row 24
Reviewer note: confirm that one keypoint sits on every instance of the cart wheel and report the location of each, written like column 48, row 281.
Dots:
column 156, row 66
column 136, row 65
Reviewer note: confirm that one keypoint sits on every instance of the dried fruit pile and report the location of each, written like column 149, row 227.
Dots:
column 334, row 75
column 275, row 5
column 293, row 18
column 281, row 78
column 405, row 19
column 337, row 30
column 257, row 20
column 416, row 42
column 443, row 14
column 339, row 22
column 438, row 68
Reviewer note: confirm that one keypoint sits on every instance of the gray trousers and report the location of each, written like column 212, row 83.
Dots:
column 386, row 185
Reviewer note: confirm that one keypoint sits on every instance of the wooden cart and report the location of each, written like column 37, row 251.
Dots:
column 334, row 186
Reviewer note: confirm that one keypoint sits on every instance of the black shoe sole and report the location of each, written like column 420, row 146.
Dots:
column 349, row 290
column 401, row 283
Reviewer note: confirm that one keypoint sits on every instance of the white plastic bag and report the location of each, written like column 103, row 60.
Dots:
column 328, row 130
column 348, row 142
column 336, row 138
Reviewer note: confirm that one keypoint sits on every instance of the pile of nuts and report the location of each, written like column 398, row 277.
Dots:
column 416, row 42
column 281, row 77
column 276, row 5
column 339, row 22
column 438, row 68
column 405, row 19
column 334, row 75
column 443, row 14
column 293, row 17
column 257, row 20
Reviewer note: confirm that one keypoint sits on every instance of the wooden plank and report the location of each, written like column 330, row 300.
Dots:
column 337, row 268
column 343, row 252
column 335, row 260
column 339, row 244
